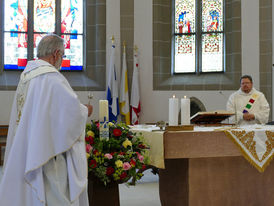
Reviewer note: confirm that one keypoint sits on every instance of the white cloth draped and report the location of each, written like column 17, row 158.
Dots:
column 52, row 122
column 237, row 102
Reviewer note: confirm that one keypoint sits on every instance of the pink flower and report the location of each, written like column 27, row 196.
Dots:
column 141, row 157
column 88, row 148
column 109, row 156
column 126, row 166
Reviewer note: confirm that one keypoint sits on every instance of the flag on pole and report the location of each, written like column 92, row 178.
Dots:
column 112, row 88
column 135, row 94
column 124, row 101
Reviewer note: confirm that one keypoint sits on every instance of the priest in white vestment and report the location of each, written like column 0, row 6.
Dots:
column 250, row 105
column 45, row 159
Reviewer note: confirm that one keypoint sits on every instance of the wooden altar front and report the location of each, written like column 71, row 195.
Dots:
column 207, row 169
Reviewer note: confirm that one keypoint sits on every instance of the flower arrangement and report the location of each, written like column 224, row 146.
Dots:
column 122, row 157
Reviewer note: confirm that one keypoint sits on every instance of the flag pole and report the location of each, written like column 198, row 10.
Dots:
column 124, row 46
column 112, row 39
column 135, row 48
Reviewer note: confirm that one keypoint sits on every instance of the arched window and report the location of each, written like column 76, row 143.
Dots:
column 198, row 40
column 27, row 21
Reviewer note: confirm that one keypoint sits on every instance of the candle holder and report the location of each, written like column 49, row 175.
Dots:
column 90, row 97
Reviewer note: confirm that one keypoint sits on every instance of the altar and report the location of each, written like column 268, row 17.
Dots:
column 205, row 168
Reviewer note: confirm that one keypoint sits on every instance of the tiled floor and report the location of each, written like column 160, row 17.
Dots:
column 145, row 193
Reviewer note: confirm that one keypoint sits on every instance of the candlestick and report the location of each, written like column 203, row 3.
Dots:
column 103, row 119
column 90, row 97
column 173, row 111
column 185, row 111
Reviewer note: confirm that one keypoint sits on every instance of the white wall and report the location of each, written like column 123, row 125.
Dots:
column 155, row 103
column 250, row 40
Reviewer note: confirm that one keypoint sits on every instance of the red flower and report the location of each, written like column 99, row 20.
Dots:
column 123, row 175
column 117, row 132
column 93, row 163
column 95, row 151
column 87, row 139
column 132, row 162
column 91, row 140
column 143, row 167
column 129, row 136
column 98, row 125
column 122, row 153
column 110, row 171
column 141, row 146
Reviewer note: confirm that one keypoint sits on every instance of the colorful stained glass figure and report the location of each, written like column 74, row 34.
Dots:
column 212, row 15
column 212, row 52
column 15, row 56
column 44, row 15
column 185, row 16
column 185, row 53
column 72, row 16
column 16, row 18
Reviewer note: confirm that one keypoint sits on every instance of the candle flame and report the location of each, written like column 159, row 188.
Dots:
column 184, row 97
column 173, row 95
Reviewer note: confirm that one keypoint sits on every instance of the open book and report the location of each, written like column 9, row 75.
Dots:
column 211, row 117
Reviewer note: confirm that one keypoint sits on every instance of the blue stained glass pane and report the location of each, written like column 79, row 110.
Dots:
column 72, row 68
column 16, row 17
column 72, row 16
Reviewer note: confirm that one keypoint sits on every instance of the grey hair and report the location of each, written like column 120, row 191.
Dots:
column 49, row 44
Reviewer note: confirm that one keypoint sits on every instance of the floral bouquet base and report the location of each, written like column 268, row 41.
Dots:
column 120, row 158
column 102, row 195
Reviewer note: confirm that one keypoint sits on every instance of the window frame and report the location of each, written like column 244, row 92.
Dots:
column 198, row 39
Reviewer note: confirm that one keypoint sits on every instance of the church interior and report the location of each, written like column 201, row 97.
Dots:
column 145, row 28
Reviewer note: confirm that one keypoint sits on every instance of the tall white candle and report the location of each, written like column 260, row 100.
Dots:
column 185, row 111
column 103, row 119
column 173, row 111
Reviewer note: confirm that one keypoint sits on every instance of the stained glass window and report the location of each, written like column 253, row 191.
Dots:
column 18, row 48
column 198, row 36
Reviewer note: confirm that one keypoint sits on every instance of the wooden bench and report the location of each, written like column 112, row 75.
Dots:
column 3, row 139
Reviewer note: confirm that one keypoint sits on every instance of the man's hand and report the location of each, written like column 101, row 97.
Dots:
column 90, row 109
column 248, row 116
